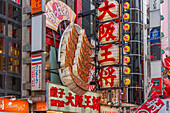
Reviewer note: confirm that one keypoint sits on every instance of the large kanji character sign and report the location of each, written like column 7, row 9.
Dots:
column 108, row 32
column 108, row 55
column 108, row 77
column 108, row 10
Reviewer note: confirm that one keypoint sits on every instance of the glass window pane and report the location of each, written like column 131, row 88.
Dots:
column 2, row 45
column 14, row 30
column 2, row 63
column 13, row 65
column 14, row 83
column 14, row 12
column 2, row 8
column 2, row 26
column 2, row 81
column 14, row 49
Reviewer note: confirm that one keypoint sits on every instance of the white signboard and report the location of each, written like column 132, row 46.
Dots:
column 38, row 33
column 36, row 72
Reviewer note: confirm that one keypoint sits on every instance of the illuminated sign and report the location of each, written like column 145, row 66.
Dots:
column 108, row 77
column 108, row 10
column 60, row 98
column 17, row 106
column 56, row 12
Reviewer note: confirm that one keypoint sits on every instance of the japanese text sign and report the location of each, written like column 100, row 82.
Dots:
column 108, row 10
column 36, row 72
column 60, row 98
column 17, row 106
column 152, row 105
column 108, row 77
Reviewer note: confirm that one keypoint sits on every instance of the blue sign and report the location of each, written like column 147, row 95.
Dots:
column 155, row 35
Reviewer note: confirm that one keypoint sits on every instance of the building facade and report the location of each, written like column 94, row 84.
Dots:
column 10, row 47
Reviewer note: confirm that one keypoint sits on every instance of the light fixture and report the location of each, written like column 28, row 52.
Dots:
column 29, row 101
column 13, row 98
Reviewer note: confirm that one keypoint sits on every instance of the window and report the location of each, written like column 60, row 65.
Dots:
column 13, row 65
column 2, row 63
column 14, row 83
column 2, row 45
column 2, row 8
column 14, row 30
column 14, row 12
column 2, row 26
column 14, row 49
column 2, row 81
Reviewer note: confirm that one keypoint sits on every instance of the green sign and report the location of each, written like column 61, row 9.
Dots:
column 60, row 98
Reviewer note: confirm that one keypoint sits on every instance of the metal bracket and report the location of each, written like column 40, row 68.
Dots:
column 26, row 10
column 27, row 23
column 27, row 48
column 86, row 13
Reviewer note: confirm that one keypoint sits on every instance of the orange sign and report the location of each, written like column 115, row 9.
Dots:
column 16, row 106
column 36, row 6
column 41, row 106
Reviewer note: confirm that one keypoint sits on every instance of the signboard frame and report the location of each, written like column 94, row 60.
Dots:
column 41, row 71
column 38, row 35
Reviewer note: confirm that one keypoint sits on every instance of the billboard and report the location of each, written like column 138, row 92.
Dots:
column 60, row 98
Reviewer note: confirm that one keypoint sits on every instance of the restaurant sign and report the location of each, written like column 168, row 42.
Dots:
column 17, row 106
column 60, row 98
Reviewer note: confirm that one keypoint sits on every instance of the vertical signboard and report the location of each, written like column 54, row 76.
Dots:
column 38, row 33
column 38, row 6
column 157, row 86
column 37, row 65
column 155, row 13
column 155, row 38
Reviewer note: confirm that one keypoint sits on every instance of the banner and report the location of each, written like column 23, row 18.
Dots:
column 152, row 105
column 56, row 12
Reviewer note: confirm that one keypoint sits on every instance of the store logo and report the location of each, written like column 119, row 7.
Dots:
column 17, row 1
